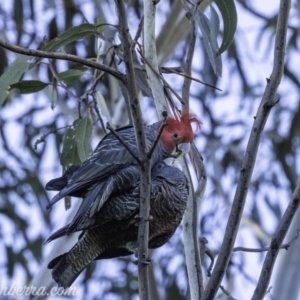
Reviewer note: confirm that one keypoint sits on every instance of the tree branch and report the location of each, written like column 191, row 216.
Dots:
column 63, row 56
column 276, row 242
column 163, row 125
column 151, row 56
column 145, row 183
column 190, row 219
column 268, row 101
column 284, row 246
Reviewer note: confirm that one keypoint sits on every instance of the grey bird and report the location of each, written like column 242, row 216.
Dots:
column 112, row 230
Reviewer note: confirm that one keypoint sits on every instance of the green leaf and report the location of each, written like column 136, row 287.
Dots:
column 12, row 75
column 69, row 154
column 20, row 65
column 209, row 41
column 228, row 12
column 83, row 128
column 28, row 86
column 52, row 92
column 99, row 21
column 70, row 76
column 67, row 202
column 214, row 22
column 70, row 35
column 102, row 105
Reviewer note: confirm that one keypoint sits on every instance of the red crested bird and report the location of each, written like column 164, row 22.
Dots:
column 112, row 230
column 111, row 167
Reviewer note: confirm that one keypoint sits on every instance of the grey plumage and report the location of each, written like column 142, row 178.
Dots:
column 111, row 166
column 112, row 230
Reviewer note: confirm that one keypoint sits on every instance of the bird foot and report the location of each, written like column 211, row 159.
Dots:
column 150, row 218
column 137, row 218
column 146, row 261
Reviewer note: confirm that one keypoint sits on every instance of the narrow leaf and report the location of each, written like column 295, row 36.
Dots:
column 83, row 128
column 69, row 154
column 102, row 105
column 52, row 92
column 209, row 41
column 12, row 75
column 214, row 22
column 28, row 86
column 70, row 35
column 70, row 76
column 228, row 12
column 197, row 162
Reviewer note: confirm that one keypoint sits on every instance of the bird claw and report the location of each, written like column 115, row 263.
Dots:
column 150, row 218
column 137, row 218
column 145, row 262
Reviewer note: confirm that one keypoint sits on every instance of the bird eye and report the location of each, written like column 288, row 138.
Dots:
column 176, row 136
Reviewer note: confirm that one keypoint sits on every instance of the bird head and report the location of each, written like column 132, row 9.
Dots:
column 177, row 135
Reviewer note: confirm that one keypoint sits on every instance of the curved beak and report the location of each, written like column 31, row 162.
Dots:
column 181, row 149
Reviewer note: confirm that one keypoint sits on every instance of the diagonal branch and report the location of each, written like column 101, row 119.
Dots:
column 267, row 102
column 63, row 56
column 275, row 246
column 111, row 129
column 161, row 129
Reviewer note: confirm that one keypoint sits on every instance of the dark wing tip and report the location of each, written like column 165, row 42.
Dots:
column 54, row 261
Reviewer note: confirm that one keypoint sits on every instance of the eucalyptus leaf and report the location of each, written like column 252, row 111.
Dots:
column 29, row 86
column 102, row 105
column 209, row 41
column 53, row 95
column 214, row 22
column 197, row 162
column 229, row 15
column 70, row 35
column 83, row 129
column 69, row 154
column 12, row 75
column 70, row 76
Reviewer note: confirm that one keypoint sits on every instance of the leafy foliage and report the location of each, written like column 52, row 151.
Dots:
column 56, row 122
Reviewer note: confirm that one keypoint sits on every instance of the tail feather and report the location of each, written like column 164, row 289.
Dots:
column 59, row 183
column 67, row 267
column 63, row 272
column 59, row 233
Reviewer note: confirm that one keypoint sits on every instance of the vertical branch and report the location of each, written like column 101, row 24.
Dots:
column 276, row 242
column 267, row 102
column 188, row 67
column 151, row 56
column 190, row 219
column 143, row 232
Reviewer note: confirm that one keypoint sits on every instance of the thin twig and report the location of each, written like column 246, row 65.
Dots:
column 139, row 31
column 268, row 101
column 174, row 71
column 284, row 246
column 98, row 112
column 111, row 129
column 145, row 183
column 205, row 250
column 226, row 293
column 63, row 56
column 277, row 240
column 61, row 83
column 163, row 125
column 161, row 77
